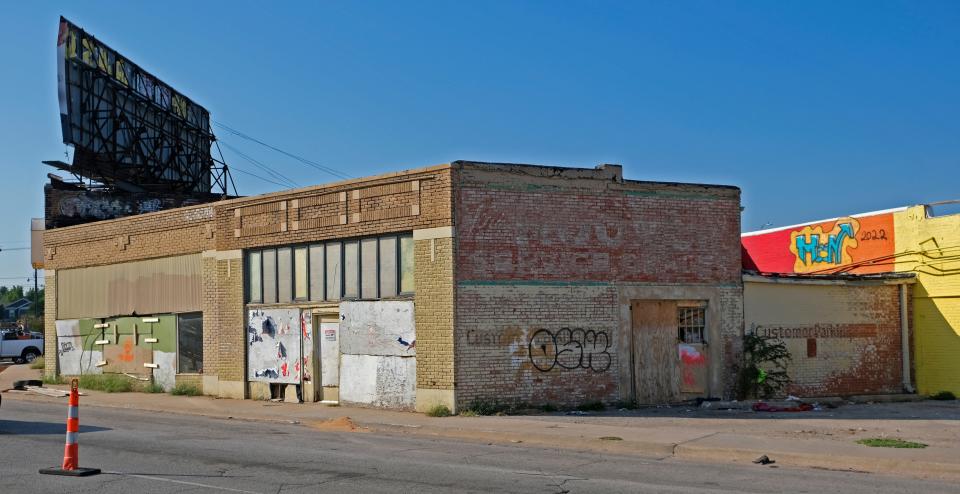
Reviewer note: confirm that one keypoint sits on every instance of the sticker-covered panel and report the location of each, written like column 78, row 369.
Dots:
column 273, row 340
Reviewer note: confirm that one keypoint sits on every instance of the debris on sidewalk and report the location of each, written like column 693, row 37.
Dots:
column 761, row 406
column 341, row 424
column 764, row 460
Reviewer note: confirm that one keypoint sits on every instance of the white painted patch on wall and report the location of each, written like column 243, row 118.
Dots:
column 378, row 328
column 380, row 381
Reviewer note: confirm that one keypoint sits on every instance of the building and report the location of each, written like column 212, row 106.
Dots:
column 16, row 309
column 454, row 284
column 903, row 240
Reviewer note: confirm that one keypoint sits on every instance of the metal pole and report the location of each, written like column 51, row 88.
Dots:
column 36, row 295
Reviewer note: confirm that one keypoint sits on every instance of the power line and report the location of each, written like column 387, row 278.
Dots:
column 234, row 168
column 314, row 164
column 258, row 164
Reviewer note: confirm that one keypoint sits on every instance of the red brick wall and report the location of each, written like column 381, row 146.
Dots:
column 545, row 250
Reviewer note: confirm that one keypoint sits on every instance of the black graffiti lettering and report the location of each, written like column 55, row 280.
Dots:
column 570, row 349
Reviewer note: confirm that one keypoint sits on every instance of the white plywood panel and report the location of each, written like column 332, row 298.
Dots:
column 329, row 353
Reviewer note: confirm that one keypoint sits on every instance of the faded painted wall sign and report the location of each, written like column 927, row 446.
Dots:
column 862, row 244
column 570, row 349
column 273, row 340
column 862, row 330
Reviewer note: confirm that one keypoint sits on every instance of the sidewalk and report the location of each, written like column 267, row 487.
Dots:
column 825, row 439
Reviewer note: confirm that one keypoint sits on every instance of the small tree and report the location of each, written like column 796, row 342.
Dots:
column 763, row 371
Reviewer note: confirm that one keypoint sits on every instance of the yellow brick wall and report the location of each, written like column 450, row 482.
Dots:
column 49, row 323
column 433, row 308
column 930, row 247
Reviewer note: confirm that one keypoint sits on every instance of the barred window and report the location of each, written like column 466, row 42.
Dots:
column 691, row 322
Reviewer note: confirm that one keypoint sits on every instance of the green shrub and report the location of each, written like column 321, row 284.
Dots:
column 439, row 411
column 549, row 407
column 481, row 406
column 184, row 389
column 110, row 383
column 884, row 442
column 763, row 370
column 39, row 363
column 591, row 406
column 943, row 395
column 54, row 379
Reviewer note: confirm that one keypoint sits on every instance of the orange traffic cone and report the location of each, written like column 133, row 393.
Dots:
column 72, row 450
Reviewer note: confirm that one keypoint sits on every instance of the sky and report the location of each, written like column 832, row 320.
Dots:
column 814, row 109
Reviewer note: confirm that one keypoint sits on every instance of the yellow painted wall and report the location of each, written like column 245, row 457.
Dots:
column 930, row 247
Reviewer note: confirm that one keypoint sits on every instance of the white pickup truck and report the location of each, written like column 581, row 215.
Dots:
column 25, row 347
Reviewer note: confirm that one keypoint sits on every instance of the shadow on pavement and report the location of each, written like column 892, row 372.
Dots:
column 26, row 428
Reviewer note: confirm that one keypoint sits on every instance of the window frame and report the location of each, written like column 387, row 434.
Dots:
column 177, row 316
column 682, row 329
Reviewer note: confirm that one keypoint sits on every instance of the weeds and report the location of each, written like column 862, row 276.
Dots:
column 549, row 407
column 439, row 411
column 56, row 379
column 883, row 442
column 38, row 364
column 184, row 389
column 943, row 395
column 110, row 383
column 152, row 388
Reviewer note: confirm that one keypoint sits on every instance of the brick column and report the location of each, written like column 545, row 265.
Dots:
column 224, row 351
column 50, row 323
column 434, row 299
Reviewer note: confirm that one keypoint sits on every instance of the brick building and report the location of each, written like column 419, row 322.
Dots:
column 447, row 285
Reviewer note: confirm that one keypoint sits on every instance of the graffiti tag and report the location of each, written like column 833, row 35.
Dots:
column 814, row 248
column 570, row 349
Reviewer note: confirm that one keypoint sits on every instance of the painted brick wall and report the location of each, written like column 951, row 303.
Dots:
column 844, row 340
column 395, row 202
column 542, row 248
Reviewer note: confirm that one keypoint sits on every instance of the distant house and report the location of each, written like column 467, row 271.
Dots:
column 17, row 308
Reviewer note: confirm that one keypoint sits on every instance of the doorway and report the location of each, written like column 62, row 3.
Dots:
column 669, row 357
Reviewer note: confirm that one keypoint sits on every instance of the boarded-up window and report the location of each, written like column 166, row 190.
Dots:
column 300, row 273
column 368, row 267
column 169, row 284
column 388, row 267
column 334, row 271
column 351, row 269
column 316, row 272
column 270, row 276
column 406, row 264
column 190, row 343
column 254, row 278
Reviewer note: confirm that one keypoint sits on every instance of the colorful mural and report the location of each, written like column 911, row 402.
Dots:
column 862, row 244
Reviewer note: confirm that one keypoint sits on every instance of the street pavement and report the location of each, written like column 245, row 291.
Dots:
column 146, row 452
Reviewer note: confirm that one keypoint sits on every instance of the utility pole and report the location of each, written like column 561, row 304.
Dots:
column 36, row 295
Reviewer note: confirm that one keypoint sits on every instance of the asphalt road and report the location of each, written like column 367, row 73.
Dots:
column 144, row 452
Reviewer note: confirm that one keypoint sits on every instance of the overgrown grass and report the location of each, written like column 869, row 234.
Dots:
column 943, row 395
column 151, row 388
column 439, row 411
column 468, row 413
column 484, row 407
column 54, row 380
column 110, row 383
column 886, row 442
column 184, row 389
column 592, row 406
column 39, row 363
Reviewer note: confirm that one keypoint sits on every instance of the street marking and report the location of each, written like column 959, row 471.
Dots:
column 184, row 482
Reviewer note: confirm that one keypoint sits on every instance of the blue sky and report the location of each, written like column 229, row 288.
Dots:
column 814, row 109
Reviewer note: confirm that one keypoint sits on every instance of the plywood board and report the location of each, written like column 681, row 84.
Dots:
column 656, row 363
column 329, row 337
